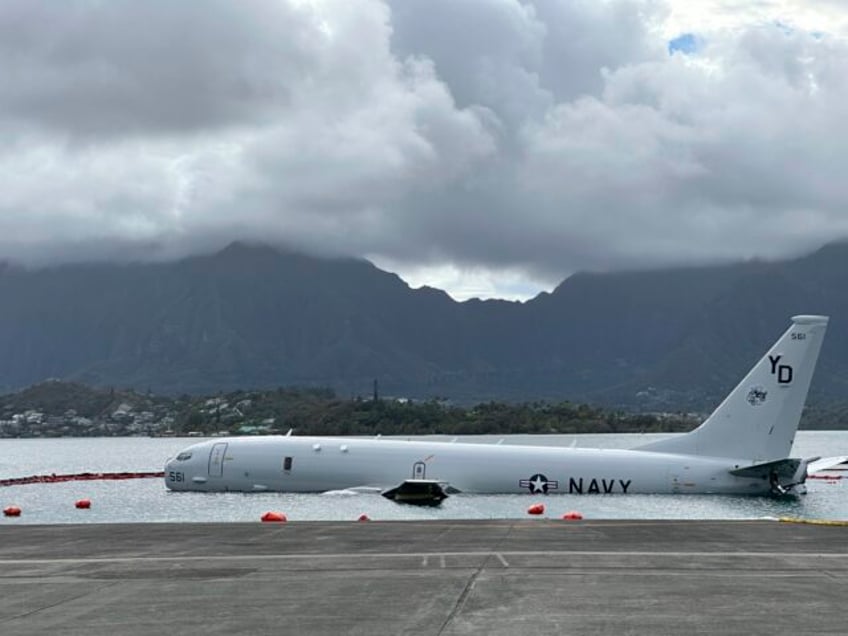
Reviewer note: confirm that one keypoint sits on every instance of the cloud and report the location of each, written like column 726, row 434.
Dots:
column 92, row 69
column 301, row 142
column 511, row 140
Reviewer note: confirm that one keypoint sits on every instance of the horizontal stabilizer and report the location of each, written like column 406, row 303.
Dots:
column 782, row 474
column 827, row 463
column 784, row 468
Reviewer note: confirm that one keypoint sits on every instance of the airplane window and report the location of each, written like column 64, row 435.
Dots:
column 287, row 463
column 183, row 456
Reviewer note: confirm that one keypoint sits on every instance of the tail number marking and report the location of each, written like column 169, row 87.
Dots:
column 782, row 371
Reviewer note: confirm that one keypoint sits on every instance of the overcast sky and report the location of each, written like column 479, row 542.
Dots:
column 485, row 147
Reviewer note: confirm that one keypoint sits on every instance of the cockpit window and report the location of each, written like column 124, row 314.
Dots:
column 184, row 456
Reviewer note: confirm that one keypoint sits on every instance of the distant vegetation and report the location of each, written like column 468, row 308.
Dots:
column 61, row 408
column 832, row 416
column 68, row 409
column 321, row 413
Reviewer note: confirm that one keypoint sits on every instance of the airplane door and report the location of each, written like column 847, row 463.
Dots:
column 419, row 469
column 216, row 459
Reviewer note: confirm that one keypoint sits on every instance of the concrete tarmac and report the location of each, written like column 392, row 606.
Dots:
column 531, row 576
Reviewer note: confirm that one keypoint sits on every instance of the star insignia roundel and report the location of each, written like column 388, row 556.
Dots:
column 538, row 483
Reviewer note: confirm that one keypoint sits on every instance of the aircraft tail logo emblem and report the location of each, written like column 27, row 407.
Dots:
column 756, row 396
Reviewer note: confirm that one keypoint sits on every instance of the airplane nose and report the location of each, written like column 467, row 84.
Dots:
column 168, row 471
column 174, row 474
column 180, row 470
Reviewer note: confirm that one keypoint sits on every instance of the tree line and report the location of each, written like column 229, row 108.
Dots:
column 321, row 412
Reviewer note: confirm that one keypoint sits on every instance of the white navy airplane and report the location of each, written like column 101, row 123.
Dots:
column 742, row 448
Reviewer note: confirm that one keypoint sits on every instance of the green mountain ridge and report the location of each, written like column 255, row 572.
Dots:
column 251, row 317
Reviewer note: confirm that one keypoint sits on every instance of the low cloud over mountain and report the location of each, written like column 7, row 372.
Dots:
column 502, row 140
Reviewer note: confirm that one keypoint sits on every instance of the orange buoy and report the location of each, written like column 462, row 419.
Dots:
column 12, row 511
column 83, row 504
column 277, row 517
column 536, row 509
column 572, row 516
column 364, row 517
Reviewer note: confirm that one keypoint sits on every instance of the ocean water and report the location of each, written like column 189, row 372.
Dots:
column 148, row 501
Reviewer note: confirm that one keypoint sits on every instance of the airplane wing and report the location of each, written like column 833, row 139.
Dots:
column 827, row 463
column 420, row 492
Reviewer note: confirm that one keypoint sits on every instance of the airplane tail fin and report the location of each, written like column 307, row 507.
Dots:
column 759, row 418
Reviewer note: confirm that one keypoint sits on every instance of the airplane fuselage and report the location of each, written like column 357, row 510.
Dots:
column 756, row 421
column 318, row 464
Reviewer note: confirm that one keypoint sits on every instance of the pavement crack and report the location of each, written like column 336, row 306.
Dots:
column 472, row 581
column 70, row 599
column 463, row 597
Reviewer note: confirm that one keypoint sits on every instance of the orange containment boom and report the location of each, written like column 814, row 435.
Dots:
column 53, row 478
